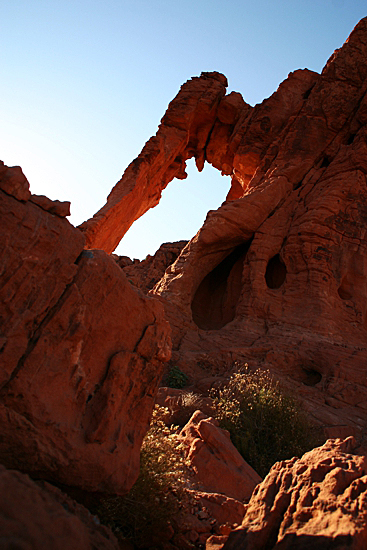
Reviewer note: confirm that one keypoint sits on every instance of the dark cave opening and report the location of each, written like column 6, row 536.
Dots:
column 310, row 376
column 215, row 301
column 276, row 272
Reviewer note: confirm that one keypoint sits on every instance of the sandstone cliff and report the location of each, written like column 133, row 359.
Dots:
column 276, row 276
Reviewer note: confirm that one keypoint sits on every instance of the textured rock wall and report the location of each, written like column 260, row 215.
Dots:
column 317, row 501
column 277, row 275
column 79, row 372
column 296, row 241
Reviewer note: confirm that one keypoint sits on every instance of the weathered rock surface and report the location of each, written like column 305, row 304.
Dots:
column 218, row 466
column 182, row 134
column 78, row 375
column 277, row 277
column 146, row 273
column 317, row 501
column 39, row 516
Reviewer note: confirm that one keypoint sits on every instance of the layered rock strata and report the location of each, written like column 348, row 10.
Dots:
column 79, row 373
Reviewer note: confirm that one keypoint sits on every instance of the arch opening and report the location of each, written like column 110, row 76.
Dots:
column 276, row 272
column 215, row 301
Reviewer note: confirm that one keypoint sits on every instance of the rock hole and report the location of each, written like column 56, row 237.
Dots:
column 351, row 139
column 325, row 162
column 306, row 95
column 276, row 272
column 345, row 289
column 310, row 377
column 89, row 397
column 215, row 301
column 297, row 186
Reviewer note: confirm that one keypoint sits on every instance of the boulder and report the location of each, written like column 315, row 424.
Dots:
column 317, row 501
column 218, row 466
column 41, row 516
column 79, row 372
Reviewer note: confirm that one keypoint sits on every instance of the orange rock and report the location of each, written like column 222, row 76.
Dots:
column 41, row 516
column 218, row 466
column 318, row 501
column 148, row 272
column 182, row 134
column 276, row 278
column 79, row 371
column 14, row 182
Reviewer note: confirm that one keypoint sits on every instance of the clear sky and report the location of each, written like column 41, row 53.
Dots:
column 84, row 84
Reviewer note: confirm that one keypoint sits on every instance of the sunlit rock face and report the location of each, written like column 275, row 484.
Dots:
column 317, row 501
column 277, row 275
column 81, row 350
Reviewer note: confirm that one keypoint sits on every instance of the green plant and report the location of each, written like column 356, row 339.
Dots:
column 176, row 378
column 266, row 425
column 148, row 509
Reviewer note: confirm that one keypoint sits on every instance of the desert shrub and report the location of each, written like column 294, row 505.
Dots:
column 154, row 500
column 266, row 424
column 176, row 378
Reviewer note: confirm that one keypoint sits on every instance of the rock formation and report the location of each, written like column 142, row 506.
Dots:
column 183, row 133
column 145, row 274
column 78, row 377
column 40, row 516
column 218, row 466
column 318, row 501
column 277, row 275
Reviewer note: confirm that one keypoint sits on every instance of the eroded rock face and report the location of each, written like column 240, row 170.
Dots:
column 218, row 466
column 182, row 134
column 41, row 516
column 277, row 276
column 79, row 371
column 317, row 501
column 145, row 274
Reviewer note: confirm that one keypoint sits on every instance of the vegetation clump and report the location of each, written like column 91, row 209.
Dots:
column 265, row 424
column 176, row 378
column 154, row 500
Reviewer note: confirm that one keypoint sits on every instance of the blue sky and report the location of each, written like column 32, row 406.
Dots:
column 85, row 83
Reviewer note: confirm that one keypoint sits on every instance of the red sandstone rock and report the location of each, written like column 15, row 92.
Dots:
column 318, row 501
column 148, row 272
column 218, row 466
column 81, row 352
column 41, row 517
column 223, row 509
column 59, row 208
column 182, row 134
column 14, row 182
column 277, row 277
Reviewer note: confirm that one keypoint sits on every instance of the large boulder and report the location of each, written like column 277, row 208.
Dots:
column 81, row 352
column 215, row 461
column 317, row 501
column 40, row 516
